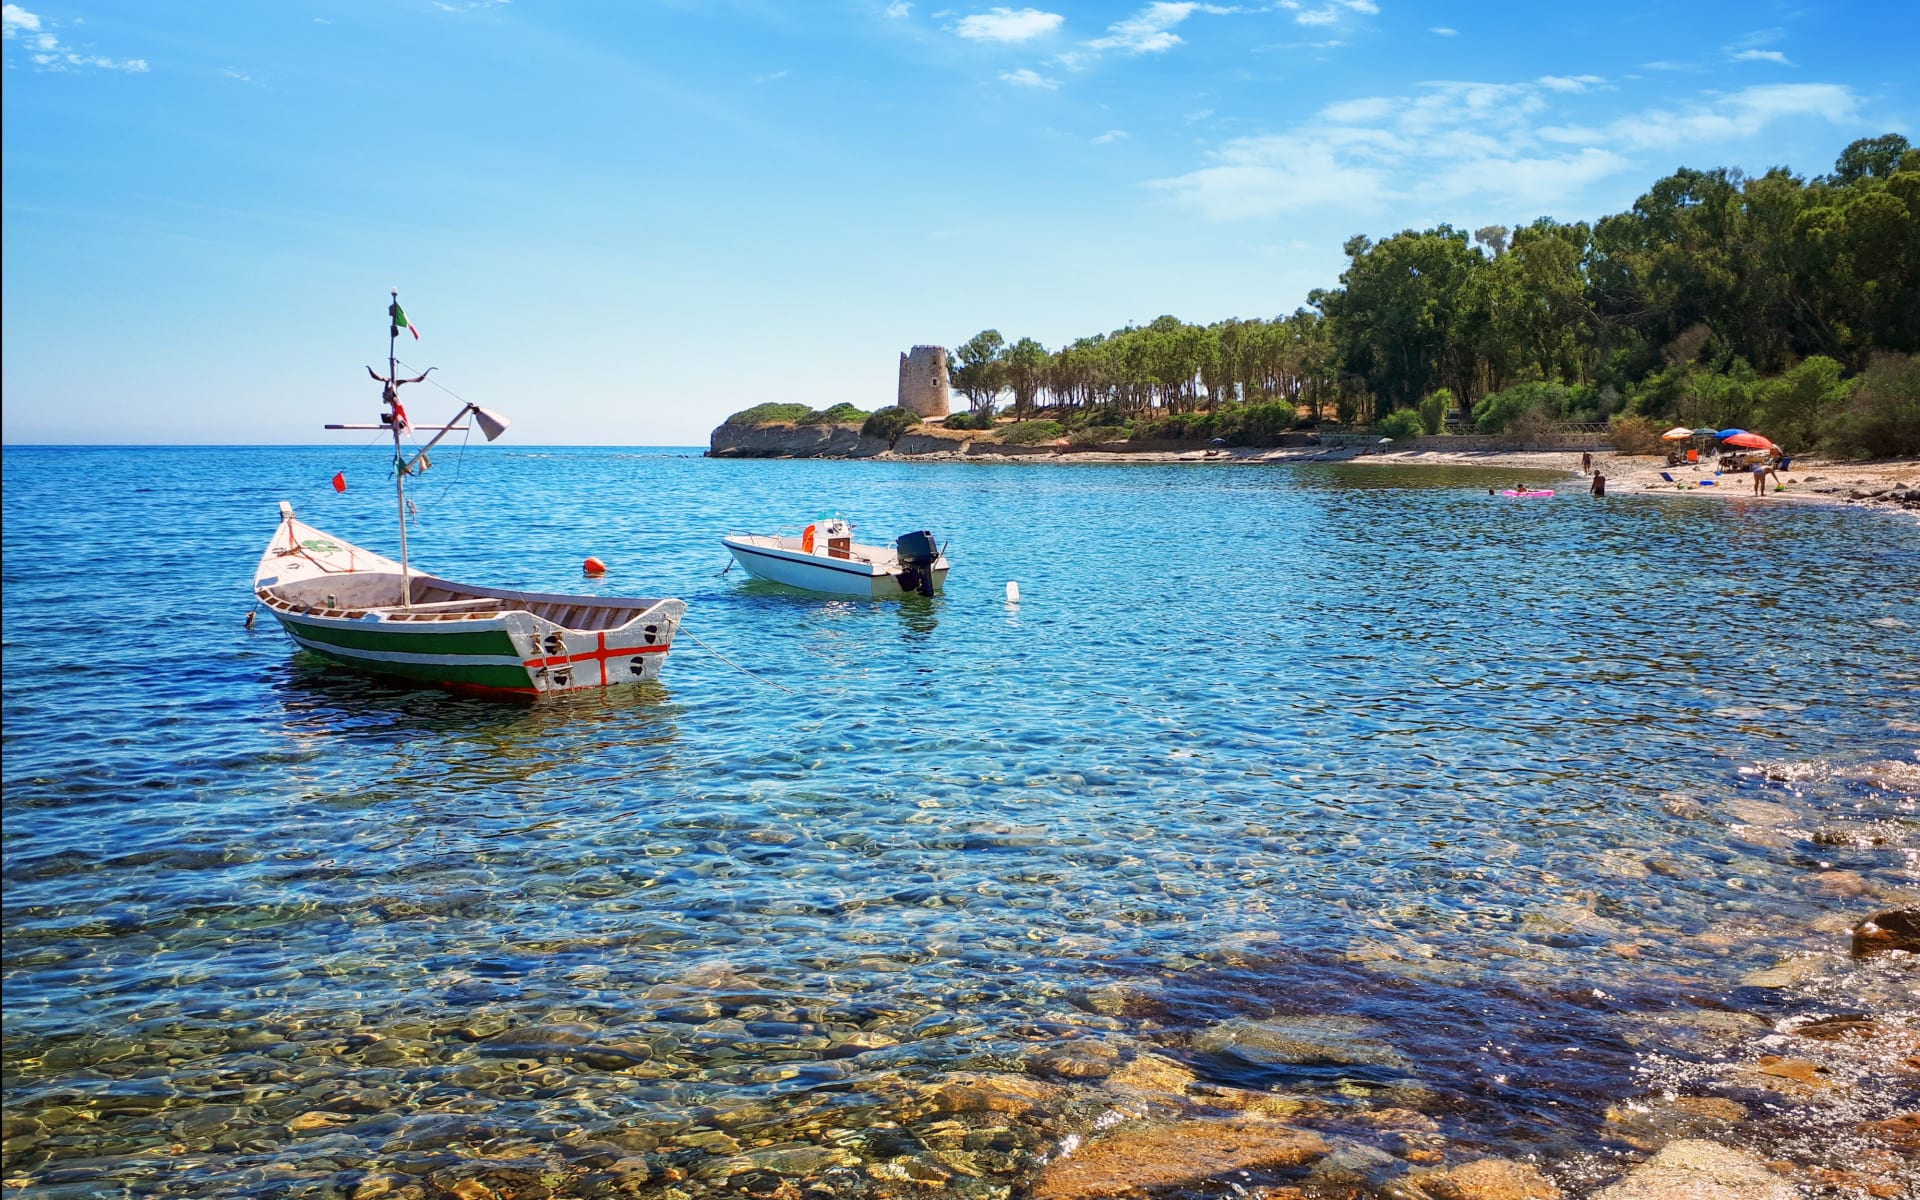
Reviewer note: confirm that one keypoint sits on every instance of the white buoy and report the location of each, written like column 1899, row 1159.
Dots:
column 1013, row 592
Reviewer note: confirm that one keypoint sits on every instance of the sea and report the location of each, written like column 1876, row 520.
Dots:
column 1310, row 792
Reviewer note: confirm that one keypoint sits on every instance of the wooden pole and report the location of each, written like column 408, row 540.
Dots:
column 399, row 463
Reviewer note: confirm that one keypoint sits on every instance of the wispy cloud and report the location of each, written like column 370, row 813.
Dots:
column 1742, row 114
column 1110, row 136
column 781, row 74
column 1008, row 25
column 1150, row 30
column 1464, row 142
column 1746, row 48
column 897, row 10
column 45, row 49
column 237, row 76
column 1331, row 13
column 1443, row 31
column 1570, row 83
column 1026, row 78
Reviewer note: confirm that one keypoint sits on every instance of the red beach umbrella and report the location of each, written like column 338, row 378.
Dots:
column 1749, row 441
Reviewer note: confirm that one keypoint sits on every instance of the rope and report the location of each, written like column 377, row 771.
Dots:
column 736, row 666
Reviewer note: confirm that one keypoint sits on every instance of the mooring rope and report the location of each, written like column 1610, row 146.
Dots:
column 736, row 666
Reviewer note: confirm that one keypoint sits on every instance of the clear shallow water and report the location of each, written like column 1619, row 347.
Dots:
column 1506, row 783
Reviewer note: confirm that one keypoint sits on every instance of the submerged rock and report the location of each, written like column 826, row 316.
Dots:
column 1489, row 1179
column 1179, row 1154
column 1651, row 1124
column 1300, row 1041
column 1898, row 929
column 1697, row 1170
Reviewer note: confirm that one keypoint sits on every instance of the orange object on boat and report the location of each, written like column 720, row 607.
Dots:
column 806, row 540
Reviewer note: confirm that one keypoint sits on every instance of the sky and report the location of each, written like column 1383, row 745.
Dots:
column 616, row 223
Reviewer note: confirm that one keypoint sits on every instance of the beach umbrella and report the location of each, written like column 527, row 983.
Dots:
column 1748, row 441
column 1724, row 434
column 1705, row 432
column 1676, row 433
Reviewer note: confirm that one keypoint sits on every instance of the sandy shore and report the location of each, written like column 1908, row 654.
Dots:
column 1809, row 480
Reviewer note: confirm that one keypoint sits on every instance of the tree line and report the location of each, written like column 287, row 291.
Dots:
column 1717, row 299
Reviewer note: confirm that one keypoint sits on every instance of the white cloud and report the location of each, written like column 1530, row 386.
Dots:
column 1328, row 14
column 1150, row 30
column 237, row 76
column 17, row 24
column 1772, row 56
column 781, row 74
column 1371, row 109
column 1110, row 136
column 1570, row 83
column 1443, row 31
column 1026, row 78
column 15, row 21
column 1270, row 176
column 1471, row 142
column 897, row 10
column 1008, row 25
column 1742, row 114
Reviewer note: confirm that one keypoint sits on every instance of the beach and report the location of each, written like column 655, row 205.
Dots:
column 1887, row 482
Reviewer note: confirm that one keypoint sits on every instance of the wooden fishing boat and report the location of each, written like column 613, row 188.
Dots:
column 825, row 558
column 356, row 607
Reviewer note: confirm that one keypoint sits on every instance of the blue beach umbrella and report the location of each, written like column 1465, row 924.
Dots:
column 1724, row 434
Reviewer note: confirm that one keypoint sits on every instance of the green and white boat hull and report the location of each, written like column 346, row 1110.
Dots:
column 346, row 604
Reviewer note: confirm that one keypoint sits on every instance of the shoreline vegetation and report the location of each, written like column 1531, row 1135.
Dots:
column 1876, row 483
column 1784, row 305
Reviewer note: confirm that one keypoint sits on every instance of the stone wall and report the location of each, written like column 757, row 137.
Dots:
column 924, row 386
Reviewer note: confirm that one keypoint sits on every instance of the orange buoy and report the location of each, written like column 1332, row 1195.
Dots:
column 594, row 566
column 806, row 540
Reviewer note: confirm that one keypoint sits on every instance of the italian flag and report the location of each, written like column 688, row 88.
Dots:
column 400, row 320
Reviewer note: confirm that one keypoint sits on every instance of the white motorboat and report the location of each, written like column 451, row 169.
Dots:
column 825, row 558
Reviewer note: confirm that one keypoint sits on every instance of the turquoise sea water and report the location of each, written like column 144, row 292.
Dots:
column 1498, row 786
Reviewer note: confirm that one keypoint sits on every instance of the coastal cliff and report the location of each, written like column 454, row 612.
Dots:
column 788, row 440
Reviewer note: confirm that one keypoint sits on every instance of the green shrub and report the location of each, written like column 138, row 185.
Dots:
column 1100, row 433
column 767, row 414
column 1883, row 417
column 973, row 420
column 1433, row 411
column 1494, row 413
column 1799, row 408
column 889, row 423
column 840, row 414
column 1533, row 427
column 1402, row 424
column 1032, row 433
column 1635, row 435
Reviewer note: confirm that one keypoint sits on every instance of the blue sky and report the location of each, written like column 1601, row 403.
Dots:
column 618, row 222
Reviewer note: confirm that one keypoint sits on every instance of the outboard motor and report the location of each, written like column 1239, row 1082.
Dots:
column 917, row 552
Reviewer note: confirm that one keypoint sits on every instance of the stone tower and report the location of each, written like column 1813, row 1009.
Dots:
column 923, row 381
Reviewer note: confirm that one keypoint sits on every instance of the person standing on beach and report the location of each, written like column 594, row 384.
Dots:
column 1759, row 470
column 1586, row 462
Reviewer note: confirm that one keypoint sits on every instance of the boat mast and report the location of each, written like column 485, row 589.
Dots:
column 399, row 462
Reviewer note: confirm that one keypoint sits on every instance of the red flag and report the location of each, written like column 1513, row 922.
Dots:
column 339, row 481
column 399, row 415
